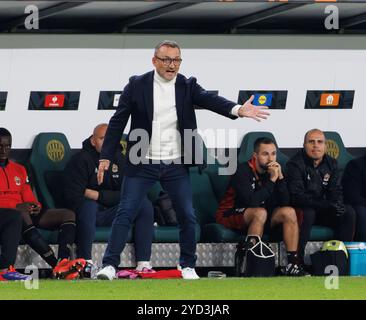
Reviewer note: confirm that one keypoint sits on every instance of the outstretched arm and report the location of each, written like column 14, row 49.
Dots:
column 249, row 110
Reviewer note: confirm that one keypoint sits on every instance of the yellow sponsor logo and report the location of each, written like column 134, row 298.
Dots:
column 55, row 150
column 262, row 99
column 332, row 149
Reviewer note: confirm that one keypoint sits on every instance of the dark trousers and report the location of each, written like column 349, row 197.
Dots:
column 360, row 223
column 174, row 179
column 91, row 215
column 10, row 234
column 344, row 227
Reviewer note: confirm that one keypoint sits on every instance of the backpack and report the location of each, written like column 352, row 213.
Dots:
column 254, row 260
column 334, row 253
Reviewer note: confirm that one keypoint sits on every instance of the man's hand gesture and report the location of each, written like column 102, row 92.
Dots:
column 103, row 166
column 249, row 110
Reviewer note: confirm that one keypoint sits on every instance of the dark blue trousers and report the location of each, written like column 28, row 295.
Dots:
column 360, row 223
column 174, row 179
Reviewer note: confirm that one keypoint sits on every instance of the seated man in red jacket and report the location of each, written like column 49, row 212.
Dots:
column 258, row 199
column 16, row 194
column 10, row 230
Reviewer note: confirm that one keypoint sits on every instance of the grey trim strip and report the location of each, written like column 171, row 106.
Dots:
column 33, row 41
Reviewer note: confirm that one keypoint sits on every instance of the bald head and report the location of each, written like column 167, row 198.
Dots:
column 314, row 145
column 318, row 131
column 97, row 138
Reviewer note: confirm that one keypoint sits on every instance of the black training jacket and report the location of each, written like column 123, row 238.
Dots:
column 354, row 182
column 313, row 187
column 251, row 192
column 81, row 174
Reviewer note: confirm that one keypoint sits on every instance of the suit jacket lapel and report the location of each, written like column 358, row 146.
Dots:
column 179, row 99
column 148, row 93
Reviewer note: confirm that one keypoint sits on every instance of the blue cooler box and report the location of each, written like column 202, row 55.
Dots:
column 357, row 258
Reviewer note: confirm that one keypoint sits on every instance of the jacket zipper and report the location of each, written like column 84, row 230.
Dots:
column 7, row 180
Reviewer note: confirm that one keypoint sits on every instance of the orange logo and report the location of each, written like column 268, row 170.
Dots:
column 329, row 99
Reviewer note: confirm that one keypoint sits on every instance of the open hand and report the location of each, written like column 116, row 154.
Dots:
column 249, row 110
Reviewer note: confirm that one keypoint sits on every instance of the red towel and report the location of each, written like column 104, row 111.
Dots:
column 162, row 274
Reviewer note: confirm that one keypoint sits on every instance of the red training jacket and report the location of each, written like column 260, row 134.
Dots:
column 14, row 186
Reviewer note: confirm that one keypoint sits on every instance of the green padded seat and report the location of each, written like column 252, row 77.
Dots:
column 204, row 200
column 49, row 156
column 246, row 147
column 101, row 235
column 321, row 233
column 217, row 233
column 219, row 183
column 161, row 234
column 166, row 234
column 336, row 149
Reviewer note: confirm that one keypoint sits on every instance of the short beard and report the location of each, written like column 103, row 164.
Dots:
column 264, row 167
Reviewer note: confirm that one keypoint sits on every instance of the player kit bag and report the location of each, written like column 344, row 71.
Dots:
column 256, row 260
column 332, row 253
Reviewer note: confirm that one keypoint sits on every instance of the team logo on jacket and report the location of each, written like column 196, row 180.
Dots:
column 326, row 179
column 253, row 184
column 114, row 168
column 17, row 180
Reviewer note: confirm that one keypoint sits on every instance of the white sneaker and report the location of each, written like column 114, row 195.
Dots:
column 143, row 264
column 189, row 274
column 107, row 273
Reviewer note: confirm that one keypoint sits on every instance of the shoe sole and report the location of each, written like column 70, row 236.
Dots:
column 75, row 268
column 103, row 277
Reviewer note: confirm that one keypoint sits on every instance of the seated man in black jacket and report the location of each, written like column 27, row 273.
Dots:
column 96, row 205
column 316, row 191
column 354, row 190
column 258, row 199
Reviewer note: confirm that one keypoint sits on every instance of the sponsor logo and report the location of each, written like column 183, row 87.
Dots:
column 263, row 99
column 54, row 100
column 329, row 99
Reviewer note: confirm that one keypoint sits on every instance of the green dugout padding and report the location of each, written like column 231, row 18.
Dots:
column 50, row 153
column 160, row 235
column 208, row 189
column 246, row 147
column 336, row 149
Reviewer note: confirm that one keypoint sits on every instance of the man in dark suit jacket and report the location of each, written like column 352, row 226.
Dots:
column 161, row 105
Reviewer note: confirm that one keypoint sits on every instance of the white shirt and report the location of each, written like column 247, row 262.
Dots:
column 165, row 138
column 165, row 143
